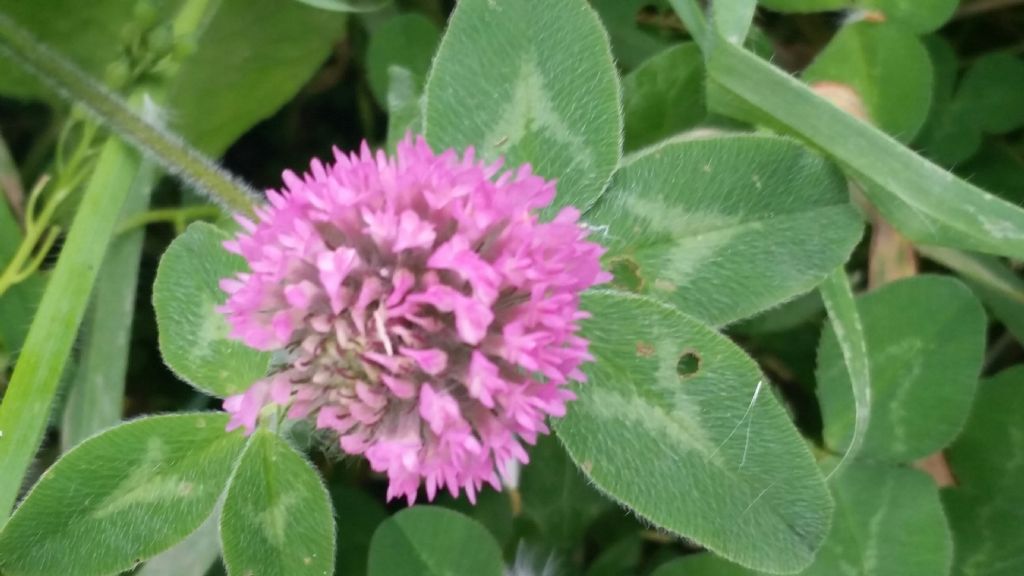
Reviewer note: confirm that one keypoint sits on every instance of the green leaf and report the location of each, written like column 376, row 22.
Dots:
column 999, row 168
column 262, row 49
column 887, row 67
column 804, row 5
column 888, row 522
column 552, row 91
column 193, row 335
column 925, row 202
column 920, row 16
column 926, row 341
column 988, row 461
column 347, row 5
column 725, row 227
column 677, row 423
column 492, row 509
column 849, row 337
column 632, row 43
column 948, row 137
column 408, row 41
column 121, row 497
column 432, row 541
column 705, row 564
column 989, row 94
column 405, row 105
column 277, row 518
column 998, row 286
column 358, row 516
column 621, row 557
column 987, row 101
column 556, row 495
column 664, row 96
column 87, row 33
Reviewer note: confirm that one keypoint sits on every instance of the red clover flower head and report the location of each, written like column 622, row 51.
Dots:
column 427, row 315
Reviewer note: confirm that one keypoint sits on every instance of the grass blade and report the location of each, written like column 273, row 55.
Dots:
column 925, row 202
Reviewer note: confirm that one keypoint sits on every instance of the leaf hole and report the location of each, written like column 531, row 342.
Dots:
column 688, row 364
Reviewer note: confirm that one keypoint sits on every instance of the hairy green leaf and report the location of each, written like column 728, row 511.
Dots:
column 193, row 335
column 432, row 541
column 552, row 92
column 121, row 497
column 277, row 518
column 988, row 460
column 408, row 41
column 677, row 423
column 889, row 522
column 725, row 227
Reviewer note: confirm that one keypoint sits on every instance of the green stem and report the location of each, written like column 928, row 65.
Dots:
column 38, row 240
column 168, row 149
column 26, row 407
column 175, row 216
column 193, row 16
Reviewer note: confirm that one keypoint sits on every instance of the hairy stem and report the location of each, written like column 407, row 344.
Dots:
column 164, row 147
